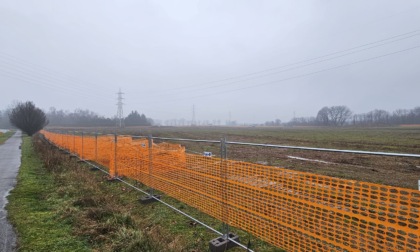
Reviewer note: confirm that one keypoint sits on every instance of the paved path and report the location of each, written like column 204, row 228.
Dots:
column 9, row 166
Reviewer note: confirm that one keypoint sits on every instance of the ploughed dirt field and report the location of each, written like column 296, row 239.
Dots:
column 395, row 171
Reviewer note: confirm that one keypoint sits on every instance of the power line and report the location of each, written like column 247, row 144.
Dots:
column 42, row 70
column 40, row 67
column 41, row 81
column 292, row 68
column 36, row 79
column 389, row 39
column 50, row 82
column 316, row 72
column 295, row 66
column 296, row 76
column 30, row 79
column 45, row 73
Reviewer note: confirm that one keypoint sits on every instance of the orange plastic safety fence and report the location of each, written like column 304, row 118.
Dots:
column 296, row 211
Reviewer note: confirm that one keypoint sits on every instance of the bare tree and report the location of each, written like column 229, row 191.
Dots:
column 333, row 116
column 380, row 117
column 323, row 116
column 28, row 118
column 338, row 115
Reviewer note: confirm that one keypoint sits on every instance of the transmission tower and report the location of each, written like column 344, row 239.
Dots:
column 120, row 114
column 193, row 122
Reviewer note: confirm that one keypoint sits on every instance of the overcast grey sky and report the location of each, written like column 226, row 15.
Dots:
column 258, row 60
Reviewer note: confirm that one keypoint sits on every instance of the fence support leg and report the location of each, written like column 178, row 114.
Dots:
column 94, row 168
column 115, row 178
column 73, row 151
column 82, row 159
column 152, row 196
column 224, row 242
column 62, row 148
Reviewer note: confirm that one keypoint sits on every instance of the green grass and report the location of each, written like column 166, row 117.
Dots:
column 5, row 136
column 32, row 209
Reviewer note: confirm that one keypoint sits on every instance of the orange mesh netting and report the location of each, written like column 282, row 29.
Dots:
column 296, row 211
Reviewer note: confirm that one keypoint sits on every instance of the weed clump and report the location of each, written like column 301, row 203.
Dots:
column 51, row 158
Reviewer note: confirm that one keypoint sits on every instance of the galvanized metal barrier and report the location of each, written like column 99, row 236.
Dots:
column 296, row 211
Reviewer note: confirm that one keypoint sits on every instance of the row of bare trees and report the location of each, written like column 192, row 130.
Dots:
column 337, row 116
column 78, row 118
column 380, row 117
column 276, row 122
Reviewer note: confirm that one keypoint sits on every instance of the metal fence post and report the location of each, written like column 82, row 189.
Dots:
column 224, row 242
column 72, row 150
column 152, row 196
column 82, row 146
column 95, row 168
column 96, row 147
column 115, row 154
column 115, row 177
column 150, row 141
column 223, row 173
column 74, row 142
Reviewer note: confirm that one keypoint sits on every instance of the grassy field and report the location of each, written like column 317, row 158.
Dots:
column 5, row 136
column 395, row 171
column 61, row 205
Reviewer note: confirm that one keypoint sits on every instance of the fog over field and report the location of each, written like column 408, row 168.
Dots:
column 248, row 61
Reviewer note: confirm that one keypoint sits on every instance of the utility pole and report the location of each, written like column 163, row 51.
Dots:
column 120, row 114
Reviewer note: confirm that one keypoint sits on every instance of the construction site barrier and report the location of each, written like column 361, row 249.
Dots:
column 295, row 211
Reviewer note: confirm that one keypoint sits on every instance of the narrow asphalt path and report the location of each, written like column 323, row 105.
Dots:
column 10, row 155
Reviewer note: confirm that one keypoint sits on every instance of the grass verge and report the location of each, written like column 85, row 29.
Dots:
column 5, row 136
column 81, row 211
column 33, row 209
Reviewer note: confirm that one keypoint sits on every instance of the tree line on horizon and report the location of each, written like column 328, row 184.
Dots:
column 87, row 118
column 334, row 116
column 337, row 116
column 77, row 118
